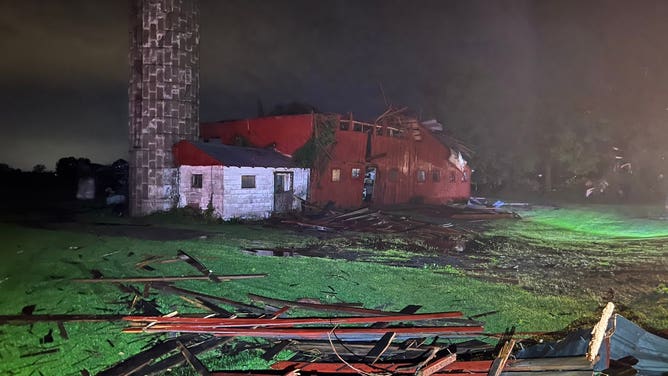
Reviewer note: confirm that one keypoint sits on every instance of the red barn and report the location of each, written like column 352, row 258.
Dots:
column 394, row 160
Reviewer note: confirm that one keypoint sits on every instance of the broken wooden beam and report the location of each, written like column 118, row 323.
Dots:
column 167, row 279
column 162, row 366
column 136, row 362
column 42, row 352
column 290, row 322
column 62, row 330
column 320, row 307
column 381, row 346
column 195, row 363
column 179, row 291
column 598, row 332
column 436, row 365
column 274, row 350
column 197, row 265
column 344, row 334
column 30, row 319
column 500, row 361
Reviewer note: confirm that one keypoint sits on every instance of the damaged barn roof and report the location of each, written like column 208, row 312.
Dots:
column 190, row 153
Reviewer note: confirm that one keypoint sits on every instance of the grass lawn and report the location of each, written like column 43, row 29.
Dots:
column 597, row 247
column 577, row 224
column 38, row 265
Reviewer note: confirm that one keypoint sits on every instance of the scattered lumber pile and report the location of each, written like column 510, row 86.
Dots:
column 424, row 222
column 336, row 339
column 368, row 342
column 381, row 222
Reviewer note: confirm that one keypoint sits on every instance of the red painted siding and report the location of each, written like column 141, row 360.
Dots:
column 397, row 161
column 288, row 132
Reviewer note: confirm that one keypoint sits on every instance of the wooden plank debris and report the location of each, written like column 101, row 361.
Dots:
column 180, row 291
column 62, row 330
column 197, row 265
column 381, row 346
column 192, row 360
column 500, row 361
column 436, row 365
column 43, row 352
column 274, row 350
column 137, row 362
column 167, row 279
column 345, row 308
column 598, row 332
column 289, row 322
column 177, row 359
column 29, row 319
column 345, row 333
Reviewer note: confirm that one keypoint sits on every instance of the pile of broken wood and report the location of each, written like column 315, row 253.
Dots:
column 390, row 222
column 379, row 222
column 336, row 339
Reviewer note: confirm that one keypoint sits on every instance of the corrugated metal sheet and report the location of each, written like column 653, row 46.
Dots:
column 650, row 350
column 627, row 339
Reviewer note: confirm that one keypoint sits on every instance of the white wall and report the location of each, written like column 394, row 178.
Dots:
column 257, row 202
column 222, row 185
column 211, row 191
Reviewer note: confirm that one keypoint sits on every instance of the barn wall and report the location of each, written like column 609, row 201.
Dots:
column 397, row 160
column 257, row 202
column 222, row 187
column 287, row 132
column 348, row 153
column 211, row 191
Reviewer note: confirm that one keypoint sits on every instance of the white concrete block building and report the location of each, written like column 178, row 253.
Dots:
column 238, row 182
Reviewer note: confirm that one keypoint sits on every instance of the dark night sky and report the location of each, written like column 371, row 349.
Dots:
column 478, row 66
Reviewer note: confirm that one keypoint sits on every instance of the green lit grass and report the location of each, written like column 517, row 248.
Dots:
column 38, row 266
column 577, row 224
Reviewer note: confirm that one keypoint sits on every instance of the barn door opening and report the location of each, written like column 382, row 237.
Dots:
column 283, row 192
column 369, row 182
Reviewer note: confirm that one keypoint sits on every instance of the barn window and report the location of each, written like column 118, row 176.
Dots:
column 196, row 181
column 393, row 174
column 436, row 175
column 453, row 177
column 355, row 174
column 247, row 181
column 421, row 176
column 336, row 174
